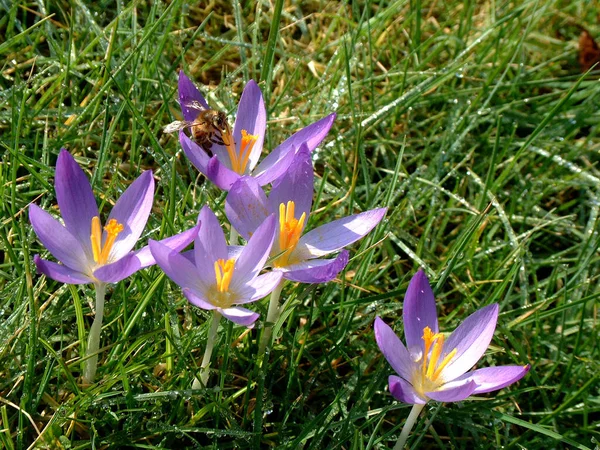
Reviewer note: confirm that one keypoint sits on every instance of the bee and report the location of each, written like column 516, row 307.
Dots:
column 209, row 127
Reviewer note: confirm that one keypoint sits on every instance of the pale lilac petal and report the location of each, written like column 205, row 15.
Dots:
column 418, row 311
column 188, row 94
column 60, row 272
column 491, row 379
column 132, row 211
column 393, row 349
column 275, row 170
column 296, row 185
column 75, row 199
column 258, row 288
column 453, row 394
column 254, row 255
column 234, row 251
column 241, row 316
column 471, row 339
column 221, row 176
column 198, row 300
column 58, row 240
column 119, row 270
column 246, row 206
column 194, row 153
column 176, row 267
column 210, row 246
column 176, row 242
column 335, row 235
column 403, row 391
column 312, row 135
column 316, row 270
column 252, row 117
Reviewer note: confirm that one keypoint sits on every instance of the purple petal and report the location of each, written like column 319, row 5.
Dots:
column 75, row 199
column 296, row 185
column 194, row 153
column 132, row 211
column 403, row 391
column 176, row 267
column 275, row 170
column 393, row 349
column 254, row 255
column 60, row 272
column 198, row 300
column 252, row 117
column 491, row 379
column 241, row 316
column 119, row 270
column 220, row 175
column 453, row 394
column 471, row 339
column 210, row 246
column 335, row 235
column 258, row 288
column 418, row 311
column 312, row 135
column 246, row 206
column 58, row 240
column 316, row 270
column 176, row 242
column 188, row 93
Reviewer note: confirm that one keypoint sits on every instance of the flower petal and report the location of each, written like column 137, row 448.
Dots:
column 222, row 176
column 241, row 316
column 195, row 299
column 176, row 267
column 210, row 246
column 393, row 349
column 295, row 185
column 75, row 199
column 316, row 270
column 275, row 170
column 132, row 211
column 60, row 272
column 336, row 235
column 194, row 153
column 471, row 339
column 188, row 94
column 312, row 135
column 418, row 311
column 246, row 206
column 58, row 240
column 176, row 242
column 403, row 391
column 254, row 255
column 119, row 270
column 491, row 379
column 258, row 288
column 453, row 394
column 251, row 117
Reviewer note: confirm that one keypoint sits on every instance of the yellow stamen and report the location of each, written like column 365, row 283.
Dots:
column 290, row 230
column 435, row 354
column 431, row 369
column 223, row 273
column 112, row 228
column 443, row 364
column 239, row 160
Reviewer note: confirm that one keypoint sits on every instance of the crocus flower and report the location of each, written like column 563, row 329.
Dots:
column 241, row 152
column 296, row 254
column 88, row 254
column 431, row 367
column 217, row 277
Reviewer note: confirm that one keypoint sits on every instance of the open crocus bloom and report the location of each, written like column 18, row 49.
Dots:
column 88, row 254
column 221, row 277
column 433, row 367
column 239, row 156
column 290, row 200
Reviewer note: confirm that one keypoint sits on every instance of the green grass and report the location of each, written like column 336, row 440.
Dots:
column 470, row 120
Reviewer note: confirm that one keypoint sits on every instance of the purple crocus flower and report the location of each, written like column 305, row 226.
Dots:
column 431, row 367
column 87, row 254
column 218, row 277
column 241, row 152
column 295, row 254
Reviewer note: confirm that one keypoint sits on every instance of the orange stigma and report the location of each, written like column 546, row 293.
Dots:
column 434, row 342
column 239, row 160
column 223, row 274
column 290, row 229
column 112, row 228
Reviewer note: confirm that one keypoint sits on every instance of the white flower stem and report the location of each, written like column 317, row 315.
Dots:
column 91, row 364
column 272, row 316
column 234, row 237
column 210, row 344
column 408, row 425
